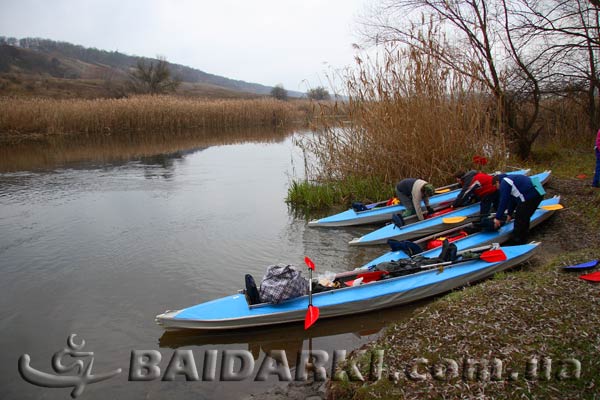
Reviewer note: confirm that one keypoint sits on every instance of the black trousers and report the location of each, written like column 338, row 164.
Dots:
column 487, row 202
column 523, row 213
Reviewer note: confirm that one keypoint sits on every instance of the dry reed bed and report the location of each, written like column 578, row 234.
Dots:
column 408, row 117
column 142, row 113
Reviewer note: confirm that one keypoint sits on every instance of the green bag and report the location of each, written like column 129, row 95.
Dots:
column 538, row 185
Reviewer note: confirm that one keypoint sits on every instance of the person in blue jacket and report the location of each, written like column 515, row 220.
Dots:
column 520, row 195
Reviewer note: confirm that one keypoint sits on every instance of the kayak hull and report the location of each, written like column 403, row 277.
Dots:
column 477, row 239
column 379, row 214
column 425, row 227
column 233, row 312
column 384, row 214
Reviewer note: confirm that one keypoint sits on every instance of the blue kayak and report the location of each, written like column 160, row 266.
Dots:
column 477, row 239
column 425, row 227
column 379, row 212
column 234, row 312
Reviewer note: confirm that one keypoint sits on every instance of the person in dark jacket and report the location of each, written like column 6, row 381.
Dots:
column 464, row 179
column 518, row 194
column 478, row 186
column 411, row 191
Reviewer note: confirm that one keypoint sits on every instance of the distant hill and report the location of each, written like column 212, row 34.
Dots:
column 43, row 65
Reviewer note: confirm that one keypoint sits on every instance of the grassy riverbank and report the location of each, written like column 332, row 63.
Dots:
column 41, row 116
column 536, row 312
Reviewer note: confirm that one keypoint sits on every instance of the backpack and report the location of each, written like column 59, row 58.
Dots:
column 282, row 282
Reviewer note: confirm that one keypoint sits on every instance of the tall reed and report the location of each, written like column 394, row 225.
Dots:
column 141, row 114
column 409, row 117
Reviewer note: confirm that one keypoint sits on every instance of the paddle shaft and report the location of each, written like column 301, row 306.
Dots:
column 547, row 207
column 463, row 218
column 444, row 233
column 359, row 271
column 309, row 287
column 452, row 185
column 443, row 264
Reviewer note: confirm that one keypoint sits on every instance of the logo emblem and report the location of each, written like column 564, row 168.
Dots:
column 81, row 367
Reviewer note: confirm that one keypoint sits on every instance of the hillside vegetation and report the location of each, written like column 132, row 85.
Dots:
column 42, row 67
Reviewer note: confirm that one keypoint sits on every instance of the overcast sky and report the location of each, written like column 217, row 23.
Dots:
column 260, row 41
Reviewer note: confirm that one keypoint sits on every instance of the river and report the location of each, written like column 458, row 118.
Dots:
column 98, row 236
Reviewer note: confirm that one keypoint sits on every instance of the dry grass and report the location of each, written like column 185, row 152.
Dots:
column 141, row 114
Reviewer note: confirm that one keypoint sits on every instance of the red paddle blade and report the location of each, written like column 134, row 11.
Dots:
column 372, row 276
column 493, row 255
column 593, row 277
column 309, row 263
column 312, row 315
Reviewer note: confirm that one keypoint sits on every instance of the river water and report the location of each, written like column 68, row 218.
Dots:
column 98, row 236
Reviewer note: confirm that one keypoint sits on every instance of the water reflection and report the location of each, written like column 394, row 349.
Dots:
column 292, row 338
column 98, row 235
column 60, row 151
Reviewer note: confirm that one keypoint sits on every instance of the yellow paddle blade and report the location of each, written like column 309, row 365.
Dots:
column 553, row 207
column 453, row 220
column 440, row 191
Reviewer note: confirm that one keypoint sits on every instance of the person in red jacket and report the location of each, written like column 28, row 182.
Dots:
column 476, row 186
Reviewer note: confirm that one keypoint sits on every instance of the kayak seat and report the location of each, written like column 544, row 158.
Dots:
column 358, row 206
column 398, row 220
column 449, row 251
column 252, row 295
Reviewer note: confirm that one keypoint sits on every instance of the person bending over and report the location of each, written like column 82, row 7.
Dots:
column 411, row 191
column 518, row 194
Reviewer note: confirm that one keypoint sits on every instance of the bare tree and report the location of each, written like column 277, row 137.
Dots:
column 475, row 38
column 153, row 77
column 567, row 33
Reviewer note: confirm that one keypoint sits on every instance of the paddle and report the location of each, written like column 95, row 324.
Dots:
column 490, row 253
column 456, row 220
column 378, row 204
column 367, row 277
column 552, row 207
column 585, row 265
column 593, row 277
column 312, row 314
column 440, row 191
column 491, row 256
column 459, row 219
